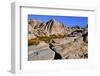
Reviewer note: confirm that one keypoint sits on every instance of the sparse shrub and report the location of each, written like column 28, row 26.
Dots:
column 29, row 32
column 53, row 36
column 33, row 42
column 43, row 38
column 60, row 36
column 85, row 28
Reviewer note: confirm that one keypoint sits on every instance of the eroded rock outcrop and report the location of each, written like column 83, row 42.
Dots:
column 52, row 40
column 39, row 28
column 40, row 52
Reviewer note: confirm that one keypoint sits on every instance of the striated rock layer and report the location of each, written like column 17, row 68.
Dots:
column 52, row 40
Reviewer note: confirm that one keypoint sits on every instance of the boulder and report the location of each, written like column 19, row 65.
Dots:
column 40, row 52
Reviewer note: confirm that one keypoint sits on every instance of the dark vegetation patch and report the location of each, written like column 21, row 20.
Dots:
column 47, row 39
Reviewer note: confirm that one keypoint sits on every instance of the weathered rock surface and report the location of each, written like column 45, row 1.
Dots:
column 40, row 52
column 39, row 28
column 72, row 45
column 73, row 48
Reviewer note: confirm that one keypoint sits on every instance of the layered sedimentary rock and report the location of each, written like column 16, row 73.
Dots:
column 40, row 52
column 52, row 40
column 39, row 28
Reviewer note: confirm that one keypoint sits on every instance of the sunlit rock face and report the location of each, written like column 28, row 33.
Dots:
column 51, row 40
column 39, row 28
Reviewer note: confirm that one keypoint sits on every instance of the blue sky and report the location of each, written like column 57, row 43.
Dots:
column 67, row 20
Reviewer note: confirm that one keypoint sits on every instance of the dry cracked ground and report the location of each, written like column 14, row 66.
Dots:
column 52, row 41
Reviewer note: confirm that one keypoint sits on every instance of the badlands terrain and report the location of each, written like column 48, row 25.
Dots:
column 53, row 40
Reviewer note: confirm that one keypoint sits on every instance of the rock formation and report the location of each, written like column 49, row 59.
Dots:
column 52, row 40
column 38, row 28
